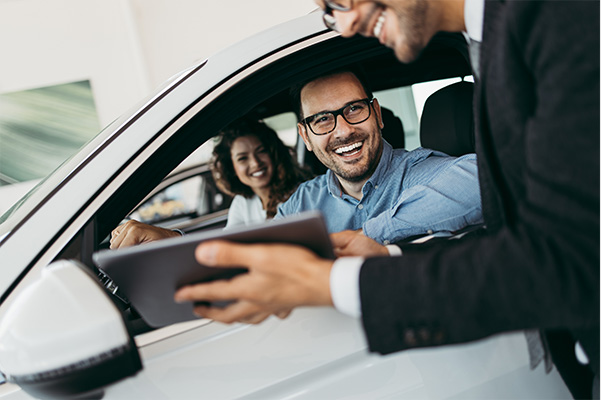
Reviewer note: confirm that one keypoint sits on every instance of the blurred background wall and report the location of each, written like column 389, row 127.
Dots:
column 98, row 58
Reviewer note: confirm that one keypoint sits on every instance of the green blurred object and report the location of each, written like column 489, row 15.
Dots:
column 40, row 128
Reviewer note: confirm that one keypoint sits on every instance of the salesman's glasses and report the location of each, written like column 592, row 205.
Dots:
column 353, row 113
column 338, row 5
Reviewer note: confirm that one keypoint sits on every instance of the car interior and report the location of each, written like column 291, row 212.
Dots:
column 446, row 125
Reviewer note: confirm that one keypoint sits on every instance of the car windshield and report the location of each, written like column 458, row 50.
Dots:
column 44, row 188
column 26, row 204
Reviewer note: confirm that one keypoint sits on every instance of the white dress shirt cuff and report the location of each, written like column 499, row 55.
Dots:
column 394, row 250
column 344, row 285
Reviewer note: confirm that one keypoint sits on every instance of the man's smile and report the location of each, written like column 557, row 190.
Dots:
column 379, row 24
column 349, row 150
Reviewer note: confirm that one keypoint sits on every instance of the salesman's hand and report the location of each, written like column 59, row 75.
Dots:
column 133, row 232
column 280, row 278
column 355, row 243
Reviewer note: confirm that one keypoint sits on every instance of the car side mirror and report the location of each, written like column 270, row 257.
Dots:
column 64, row 337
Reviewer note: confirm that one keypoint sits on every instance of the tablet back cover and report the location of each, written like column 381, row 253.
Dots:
column 149, row 274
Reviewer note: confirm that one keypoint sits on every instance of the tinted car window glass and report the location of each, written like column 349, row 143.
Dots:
column 185, row 198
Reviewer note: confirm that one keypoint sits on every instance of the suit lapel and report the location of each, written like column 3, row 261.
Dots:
column 491, row 202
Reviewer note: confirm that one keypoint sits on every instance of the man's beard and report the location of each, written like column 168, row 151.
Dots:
column 358, row 176
column 412, row 21
column 342, row 170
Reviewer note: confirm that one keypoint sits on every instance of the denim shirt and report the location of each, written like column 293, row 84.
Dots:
column 410, row 193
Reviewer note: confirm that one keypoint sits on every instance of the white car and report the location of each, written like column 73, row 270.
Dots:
column 63, row 334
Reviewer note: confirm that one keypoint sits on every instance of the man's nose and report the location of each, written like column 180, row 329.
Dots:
column 343, row 128
column 347, row 22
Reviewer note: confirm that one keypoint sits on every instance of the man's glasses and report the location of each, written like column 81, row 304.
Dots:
column 353, row 113
column 339, row 5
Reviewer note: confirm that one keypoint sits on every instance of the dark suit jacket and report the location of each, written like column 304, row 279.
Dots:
column 537, row 139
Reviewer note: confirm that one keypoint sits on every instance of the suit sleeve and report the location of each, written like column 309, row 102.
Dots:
column 540, row 269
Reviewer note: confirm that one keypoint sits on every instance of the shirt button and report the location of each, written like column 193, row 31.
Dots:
column 386, row 242
column 430, row 231
column 360, row 206
column 376, row 186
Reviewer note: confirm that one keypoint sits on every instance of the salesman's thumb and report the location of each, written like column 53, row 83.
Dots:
column 206, row 253
column 221, row 253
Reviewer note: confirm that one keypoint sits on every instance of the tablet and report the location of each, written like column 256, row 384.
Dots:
column 149, row 274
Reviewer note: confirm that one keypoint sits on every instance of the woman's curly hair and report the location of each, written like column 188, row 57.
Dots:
column 287, row 174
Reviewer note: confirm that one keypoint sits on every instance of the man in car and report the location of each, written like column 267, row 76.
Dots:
column 389, row 194
column 536, row 265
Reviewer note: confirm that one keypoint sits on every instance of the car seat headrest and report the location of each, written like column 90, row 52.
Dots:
column 393, row 130
column 447, row 123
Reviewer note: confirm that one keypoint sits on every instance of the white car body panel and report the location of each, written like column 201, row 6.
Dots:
column 321, row 354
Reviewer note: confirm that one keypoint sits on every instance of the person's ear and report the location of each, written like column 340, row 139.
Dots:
column 378, row 111
column 302, row 131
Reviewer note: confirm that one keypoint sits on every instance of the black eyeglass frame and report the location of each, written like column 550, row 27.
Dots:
column 328, row 17
column 340, row 111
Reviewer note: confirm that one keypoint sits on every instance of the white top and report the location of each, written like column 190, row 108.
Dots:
column 344, row 277
column 245, row 211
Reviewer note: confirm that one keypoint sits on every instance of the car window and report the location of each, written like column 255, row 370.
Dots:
column 190, row 192
column 285, row 126
column 198, row 196
column 183, row 200
column 400, row 102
